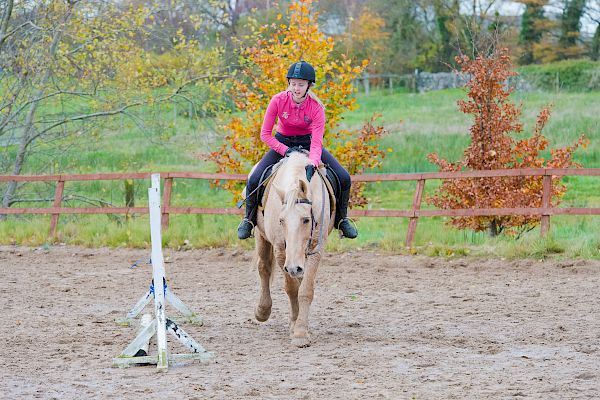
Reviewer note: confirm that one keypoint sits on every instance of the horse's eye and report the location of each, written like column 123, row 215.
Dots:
column 281, row 221
column 305, row 220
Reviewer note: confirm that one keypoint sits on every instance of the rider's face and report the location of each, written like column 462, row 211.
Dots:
column 298, row 88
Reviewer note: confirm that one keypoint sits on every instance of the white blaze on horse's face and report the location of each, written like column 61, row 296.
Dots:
column 296, row 220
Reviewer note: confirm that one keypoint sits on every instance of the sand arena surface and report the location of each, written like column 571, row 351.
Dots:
column 383, row 327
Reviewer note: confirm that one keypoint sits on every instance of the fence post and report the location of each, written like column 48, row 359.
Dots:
column 391, row 84
column 412, row 224
column 166, row 203
column 60, row 187
column 415, row 81
column 129, row 196
column 546, row 192
column 366, row 83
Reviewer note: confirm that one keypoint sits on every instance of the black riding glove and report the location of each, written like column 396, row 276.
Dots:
column 310, row 171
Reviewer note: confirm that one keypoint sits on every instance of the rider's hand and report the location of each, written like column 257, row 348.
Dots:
column 310, row 171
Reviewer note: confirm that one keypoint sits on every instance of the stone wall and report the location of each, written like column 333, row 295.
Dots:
column 427, row 81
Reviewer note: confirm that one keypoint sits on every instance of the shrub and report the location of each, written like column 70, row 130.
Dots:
column 571, row 75
column 495, row 119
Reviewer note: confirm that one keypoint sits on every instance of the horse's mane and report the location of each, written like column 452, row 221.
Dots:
column 290, row 198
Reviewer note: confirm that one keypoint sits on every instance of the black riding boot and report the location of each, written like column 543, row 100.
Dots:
column 245, row 227
column 342, row 222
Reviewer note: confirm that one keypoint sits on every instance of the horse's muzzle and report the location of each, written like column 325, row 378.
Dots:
column 295, row 271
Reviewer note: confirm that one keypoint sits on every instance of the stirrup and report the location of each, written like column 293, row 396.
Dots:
column 251, row 230
column 353, row 223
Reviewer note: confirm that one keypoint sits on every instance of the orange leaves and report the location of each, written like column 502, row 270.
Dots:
column 492, row 147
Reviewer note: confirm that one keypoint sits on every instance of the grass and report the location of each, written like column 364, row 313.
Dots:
column 418, row 124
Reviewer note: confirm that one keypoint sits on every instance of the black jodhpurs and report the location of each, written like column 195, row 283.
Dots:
column 272, row 157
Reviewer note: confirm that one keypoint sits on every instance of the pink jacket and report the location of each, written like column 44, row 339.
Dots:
column 294, row 120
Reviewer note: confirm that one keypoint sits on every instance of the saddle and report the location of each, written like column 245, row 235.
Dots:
column 332, row 183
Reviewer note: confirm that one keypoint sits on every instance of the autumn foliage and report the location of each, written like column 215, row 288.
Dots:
column 492, row 147
column 264, row 66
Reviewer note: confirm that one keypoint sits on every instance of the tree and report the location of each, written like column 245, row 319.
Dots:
column 66, row 65
column 531, row 29
column 595, row 47
column 448, row 23
column 593, row 14
column 492, row 147
column 364, row 38
column 263, row 74
column 570, row 28
column 410, row 40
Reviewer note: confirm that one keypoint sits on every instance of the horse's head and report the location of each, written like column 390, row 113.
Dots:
column 297, row 225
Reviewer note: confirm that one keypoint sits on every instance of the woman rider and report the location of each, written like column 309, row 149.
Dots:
column 300, row 126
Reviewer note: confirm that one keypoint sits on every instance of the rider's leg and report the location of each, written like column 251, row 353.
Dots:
column 245, row 227
column 341, row 213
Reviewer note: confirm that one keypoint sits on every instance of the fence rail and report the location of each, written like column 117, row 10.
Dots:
column 413, row 214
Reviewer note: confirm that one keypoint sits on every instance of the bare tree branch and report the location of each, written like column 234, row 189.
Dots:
column 4, row 22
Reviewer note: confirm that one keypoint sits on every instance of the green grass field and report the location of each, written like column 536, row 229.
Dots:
column 418, row 124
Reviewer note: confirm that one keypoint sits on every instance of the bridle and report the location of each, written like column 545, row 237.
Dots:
column 317, row 249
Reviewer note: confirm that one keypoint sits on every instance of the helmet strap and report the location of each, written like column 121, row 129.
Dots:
column 305, row 93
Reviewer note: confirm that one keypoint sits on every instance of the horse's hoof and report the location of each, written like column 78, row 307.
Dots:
column 262, row 313
column 301, row 342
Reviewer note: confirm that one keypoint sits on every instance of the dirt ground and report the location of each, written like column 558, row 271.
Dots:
column 383, row 327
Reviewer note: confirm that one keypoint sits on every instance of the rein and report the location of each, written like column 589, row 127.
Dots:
column 320, row 240
column 264, row 182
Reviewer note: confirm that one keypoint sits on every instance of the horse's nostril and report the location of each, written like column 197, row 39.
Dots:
column 299, row 269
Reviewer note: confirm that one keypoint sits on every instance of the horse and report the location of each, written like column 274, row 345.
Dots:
column 292, row 232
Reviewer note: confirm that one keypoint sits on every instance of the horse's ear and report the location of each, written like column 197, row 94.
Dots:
column 303, row 187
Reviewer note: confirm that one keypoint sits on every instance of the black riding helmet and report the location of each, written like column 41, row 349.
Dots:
column 302, row 70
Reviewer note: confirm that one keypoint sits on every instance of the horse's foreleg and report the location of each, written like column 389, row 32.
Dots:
column 306, row 291
column 264, row 251
column 291, row 288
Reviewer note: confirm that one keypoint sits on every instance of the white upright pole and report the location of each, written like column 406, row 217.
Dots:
column 161, row 324
column 158, row 273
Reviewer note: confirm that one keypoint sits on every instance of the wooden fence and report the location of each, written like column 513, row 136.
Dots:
column 414, row 213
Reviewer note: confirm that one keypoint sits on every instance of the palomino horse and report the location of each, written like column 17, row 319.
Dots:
column 292, row 233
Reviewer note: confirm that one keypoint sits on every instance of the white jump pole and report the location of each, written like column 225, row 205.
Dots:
column 156, row 238
column 161, row 323
column 158, row 272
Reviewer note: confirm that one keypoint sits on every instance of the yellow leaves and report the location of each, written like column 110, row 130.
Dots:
column 265, row 67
